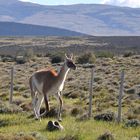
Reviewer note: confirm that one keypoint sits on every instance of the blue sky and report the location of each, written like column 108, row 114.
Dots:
column 129, row 3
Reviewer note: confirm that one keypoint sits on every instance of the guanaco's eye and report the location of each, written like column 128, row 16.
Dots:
column 70, row 64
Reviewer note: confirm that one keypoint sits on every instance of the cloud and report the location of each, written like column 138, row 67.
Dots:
column 129, row 3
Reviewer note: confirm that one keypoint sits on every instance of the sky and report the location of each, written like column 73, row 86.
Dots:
column 129, row 3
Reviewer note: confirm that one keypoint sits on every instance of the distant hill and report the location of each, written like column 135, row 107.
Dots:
column 18, row 29
column 91, row 19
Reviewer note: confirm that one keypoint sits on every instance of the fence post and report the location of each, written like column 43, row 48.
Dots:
column 120, row 97
column 11, row 85
column 91, row 92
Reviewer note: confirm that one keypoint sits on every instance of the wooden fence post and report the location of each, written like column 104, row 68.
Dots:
column 91, row 92
column 120, row 97
column 11, row 85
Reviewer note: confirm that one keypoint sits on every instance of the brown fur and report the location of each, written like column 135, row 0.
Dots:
column 52, row 81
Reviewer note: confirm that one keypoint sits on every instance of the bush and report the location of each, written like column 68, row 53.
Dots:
column 24, row 56
column 128, row 54
column 6, row 108
column 105, row 54
column 132, row 123
column 72, row 94
column 57, row 57
column 7, row 58
column 83, row 117
column 76, row 111
column 106, row 136
column 3, row 123
column 130, row 91
column 20, row 60
column 29, row 53
column 109, row 116
column 52, row 113
column 23, row 136
column 39, row 55
column 70, row 137
column 86, row 58
column 136, row 110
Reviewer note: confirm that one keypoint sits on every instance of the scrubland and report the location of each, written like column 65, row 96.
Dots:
column 17, row 120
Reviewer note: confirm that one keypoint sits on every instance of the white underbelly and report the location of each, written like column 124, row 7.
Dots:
column 56, row 89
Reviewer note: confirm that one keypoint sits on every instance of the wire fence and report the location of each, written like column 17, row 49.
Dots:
column 15, row 78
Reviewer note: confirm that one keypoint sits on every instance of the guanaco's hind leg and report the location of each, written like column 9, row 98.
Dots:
column 34, row 104
column 59, row 98
column 46, row 105
column 38, row 104
column 33, row 95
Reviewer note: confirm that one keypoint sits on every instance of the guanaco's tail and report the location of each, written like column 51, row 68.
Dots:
column 32, row 87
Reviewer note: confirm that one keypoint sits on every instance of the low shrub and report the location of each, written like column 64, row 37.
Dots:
column 70, row 137
column 23, row 136
column 132, row 123
column 26, row 106
column 128, row 54
column 109, row 116
column 105, row 54
column 72, row 94
column 76, row 111
column 20, row 60
column 24, row 56
column 52, row 113
column 6, row 108
column 57, row 57
column 7, row 58
column 4, row 123
column 136, row 110
column 106, row 136
column 131, row 91
column 39, row 55
column 83, row 117
column 87, row 57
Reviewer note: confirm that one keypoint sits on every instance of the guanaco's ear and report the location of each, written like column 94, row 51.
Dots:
column 66, row 56
column 71, row 55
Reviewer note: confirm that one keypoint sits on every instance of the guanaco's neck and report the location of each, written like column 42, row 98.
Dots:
column 63, row 73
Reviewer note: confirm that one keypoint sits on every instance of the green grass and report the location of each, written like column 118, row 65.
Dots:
column 86, row 130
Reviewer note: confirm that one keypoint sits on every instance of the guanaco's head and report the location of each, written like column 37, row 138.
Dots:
column 69, row 62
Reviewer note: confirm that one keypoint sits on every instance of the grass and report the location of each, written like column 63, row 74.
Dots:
column 86, row 130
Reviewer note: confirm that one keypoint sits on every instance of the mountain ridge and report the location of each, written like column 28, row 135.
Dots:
column 93, row 19
column 20, row 29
